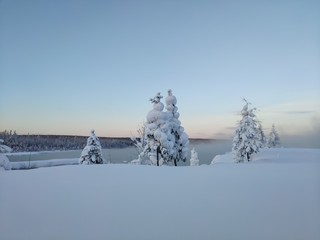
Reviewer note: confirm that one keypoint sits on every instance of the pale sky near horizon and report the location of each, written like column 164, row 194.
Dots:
column 67, row 67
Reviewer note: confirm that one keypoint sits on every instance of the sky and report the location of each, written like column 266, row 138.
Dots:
column 67, row 67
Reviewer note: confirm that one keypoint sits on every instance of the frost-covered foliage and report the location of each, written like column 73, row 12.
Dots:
column 92, row 153
column 194, row 160
column 273, row 139
column 247, row 136
column 4, row 163
column 4, row 148
column 140, row 144
column 159, row 141
column 181, row 139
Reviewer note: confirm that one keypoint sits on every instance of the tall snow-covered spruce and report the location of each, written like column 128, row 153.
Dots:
column 247, row 139
column 92, row 153
column 273, row 139
column 159, row 142
column 181, row 139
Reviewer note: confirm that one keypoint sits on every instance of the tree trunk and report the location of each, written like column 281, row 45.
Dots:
column 175, row 162
column 158, row 151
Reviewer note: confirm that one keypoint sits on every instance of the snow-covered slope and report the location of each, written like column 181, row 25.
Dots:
column 270, row 198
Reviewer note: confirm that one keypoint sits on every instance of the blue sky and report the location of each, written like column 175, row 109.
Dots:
column 70, row 66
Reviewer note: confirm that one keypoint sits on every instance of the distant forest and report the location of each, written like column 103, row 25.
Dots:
column 33, row 143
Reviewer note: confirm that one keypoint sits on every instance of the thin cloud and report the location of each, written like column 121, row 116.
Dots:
column 293, row 112
column 299, row 112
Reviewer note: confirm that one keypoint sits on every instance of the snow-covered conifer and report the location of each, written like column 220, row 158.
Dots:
column 181, row 139
column 159, row 141
column 140, row 144
column 246, row 140
column 273, row 139
column 140, row 141
column 4, row 148
column 194, row 160
column 4, row 163
column 261, row 135
column 92, row 153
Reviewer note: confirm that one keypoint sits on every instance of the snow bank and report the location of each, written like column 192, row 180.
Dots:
column 32, row 153
column 257, row 200
column 43, row 163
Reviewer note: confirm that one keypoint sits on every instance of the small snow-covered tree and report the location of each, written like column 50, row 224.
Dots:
column 4, row 163
column 181, row 139
column 4, row 148
column 92, row 153
column 246, row 140
column 194, row 160
column 261, row 135
column 159, row 141
column 140, row 143
column 273, row 139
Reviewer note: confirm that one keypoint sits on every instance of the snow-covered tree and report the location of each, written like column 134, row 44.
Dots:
column 159, row 141
column 273, row 139
column 4, row 148
column 246, row 140
column 194, row 160
column 4, row 163
column 261, row 135
column 92, row 153
column 181, row 140
column 139, row 142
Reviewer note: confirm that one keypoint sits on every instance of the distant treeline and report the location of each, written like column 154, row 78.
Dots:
column 32, row 143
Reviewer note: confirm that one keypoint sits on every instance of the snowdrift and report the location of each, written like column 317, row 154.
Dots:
column 275, row 197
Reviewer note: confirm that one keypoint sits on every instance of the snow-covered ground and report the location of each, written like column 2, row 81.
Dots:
column 275, row 197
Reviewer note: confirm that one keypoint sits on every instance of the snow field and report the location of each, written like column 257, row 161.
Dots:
column 273, row 197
